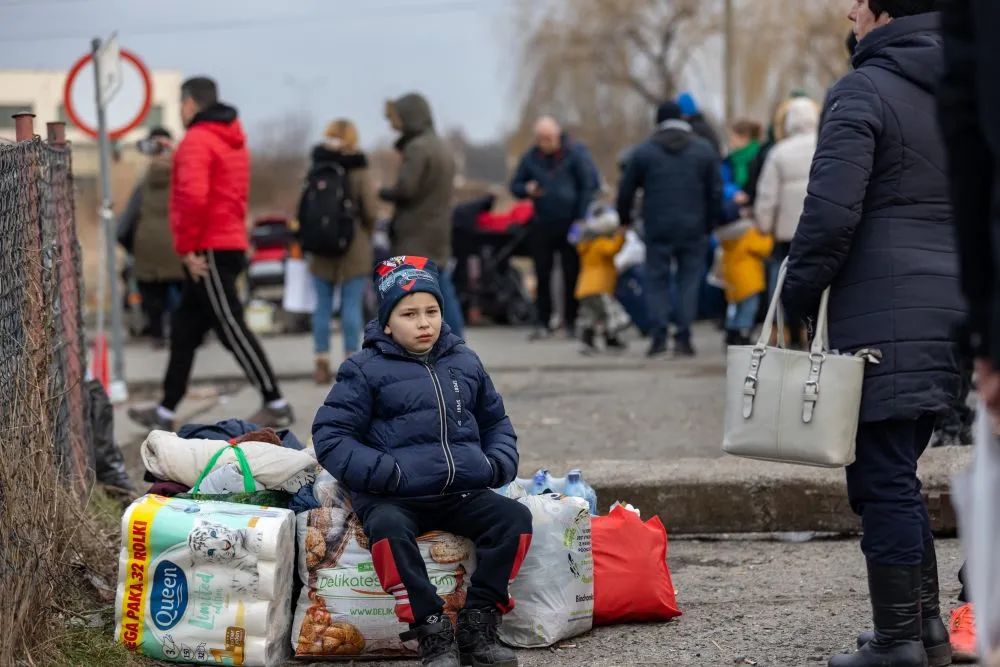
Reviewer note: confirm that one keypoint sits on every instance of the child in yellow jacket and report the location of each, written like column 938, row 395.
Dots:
column 744, row 251
column 597, row 242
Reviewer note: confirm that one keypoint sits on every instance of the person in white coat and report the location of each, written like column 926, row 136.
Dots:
column 781, row 190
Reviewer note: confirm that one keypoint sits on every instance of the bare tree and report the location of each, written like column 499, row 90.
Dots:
column 602, row 66
column 278, row 167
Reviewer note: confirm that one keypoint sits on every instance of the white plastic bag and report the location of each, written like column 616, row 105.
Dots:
column 554, row 591
column 977, row 499
column 633, row 253
column 227, row 479
column 300, row 291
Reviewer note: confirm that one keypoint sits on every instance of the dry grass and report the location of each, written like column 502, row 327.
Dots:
column 59, row 560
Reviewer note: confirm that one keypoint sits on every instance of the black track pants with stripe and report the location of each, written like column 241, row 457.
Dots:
column 212, row 303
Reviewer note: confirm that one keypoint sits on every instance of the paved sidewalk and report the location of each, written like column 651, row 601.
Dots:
column 501, row 349
column 646, row 431
column 566, row 408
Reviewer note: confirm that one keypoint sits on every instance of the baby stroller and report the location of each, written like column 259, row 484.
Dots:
column 272, row 243
column 483, row 244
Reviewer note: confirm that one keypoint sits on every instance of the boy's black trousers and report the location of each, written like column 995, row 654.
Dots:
column 499, row 527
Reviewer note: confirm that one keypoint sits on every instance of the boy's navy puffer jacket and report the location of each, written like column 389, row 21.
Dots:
column 395, row 426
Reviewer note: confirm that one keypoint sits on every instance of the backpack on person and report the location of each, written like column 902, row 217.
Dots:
column 327, row 213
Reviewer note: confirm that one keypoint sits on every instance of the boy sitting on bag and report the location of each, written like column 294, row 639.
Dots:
column 418, row 433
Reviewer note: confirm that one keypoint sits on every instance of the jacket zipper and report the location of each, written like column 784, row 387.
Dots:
column 439, row 394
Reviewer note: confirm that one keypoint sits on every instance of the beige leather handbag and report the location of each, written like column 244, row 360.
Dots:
column 790, row 406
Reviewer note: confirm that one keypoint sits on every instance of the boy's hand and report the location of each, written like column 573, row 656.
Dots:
column 498, row 476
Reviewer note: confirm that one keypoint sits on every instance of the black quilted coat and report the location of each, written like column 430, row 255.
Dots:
column 877, row 224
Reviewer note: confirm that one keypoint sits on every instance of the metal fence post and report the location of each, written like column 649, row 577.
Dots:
column 24, row 126
column 117, row 389
column 56, row 133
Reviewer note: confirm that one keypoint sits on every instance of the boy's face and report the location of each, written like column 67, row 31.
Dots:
column 415, row 322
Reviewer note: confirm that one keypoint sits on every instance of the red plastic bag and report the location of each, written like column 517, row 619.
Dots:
column 631, row 578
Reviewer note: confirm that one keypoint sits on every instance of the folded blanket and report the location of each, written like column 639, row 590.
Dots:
column 170, row 457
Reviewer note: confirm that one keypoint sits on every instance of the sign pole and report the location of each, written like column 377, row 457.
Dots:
column 117, row 390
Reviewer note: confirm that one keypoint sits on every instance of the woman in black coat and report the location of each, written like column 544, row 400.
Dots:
column 877, row 228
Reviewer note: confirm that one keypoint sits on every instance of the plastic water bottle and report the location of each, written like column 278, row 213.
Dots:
column 539, row 483
column 577, row 488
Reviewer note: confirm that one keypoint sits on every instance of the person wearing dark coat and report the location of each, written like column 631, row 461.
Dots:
column 681, row 182
column 423, row 194
column 558, row 175
column 877, row 229
column 144, row 230
column 419, row 435
column 968, row 101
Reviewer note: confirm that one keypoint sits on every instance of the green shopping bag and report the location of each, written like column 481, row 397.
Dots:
column 249, row 496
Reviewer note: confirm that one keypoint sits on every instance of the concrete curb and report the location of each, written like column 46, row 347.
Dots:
column 731, row 495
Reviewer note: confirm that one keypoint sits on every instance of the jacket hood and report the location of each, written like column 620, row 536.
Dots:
column 377, row 338
column 348, row 161
column 674, row 135
column 222, row 120
column 801, row 117
column 414, row 113
column 910, row 47
column 733, row 230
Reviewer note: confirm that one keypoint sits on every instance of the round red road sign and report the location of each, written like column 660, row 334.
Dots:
column 117, row 133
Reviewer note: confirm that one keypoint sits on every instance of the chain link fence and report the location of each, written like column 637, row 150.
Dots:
column 46, row 457
column 42, row 353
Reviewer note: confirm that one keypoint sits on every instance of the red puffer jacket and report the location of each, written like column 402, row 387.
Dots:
column 211, row 182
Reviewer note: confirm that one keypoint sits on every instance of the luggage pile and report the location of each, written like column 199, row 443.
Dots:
column 207, row 576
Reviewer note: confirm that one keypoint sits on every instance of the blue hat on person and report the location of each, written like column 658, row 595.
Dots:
column 689, row 107
column 400, row 276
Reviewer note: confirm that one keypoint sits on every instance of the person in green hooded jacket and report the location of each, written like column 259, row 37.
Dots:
column 744, row 145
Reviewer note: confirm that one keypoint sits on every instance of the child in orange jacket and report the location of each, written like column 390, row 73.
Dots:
column 744, row 251
column 597, row 242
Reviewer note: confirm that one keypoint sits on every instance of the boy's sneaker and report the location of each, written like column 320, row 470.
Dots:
column 268, row 417
column 150, row 418
column 589, row 345
column 436, row 636
column 962, row 629
column 478, row 639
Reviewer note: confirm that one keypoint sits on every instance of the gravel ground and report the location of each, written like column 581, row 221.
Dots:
column 746, row 602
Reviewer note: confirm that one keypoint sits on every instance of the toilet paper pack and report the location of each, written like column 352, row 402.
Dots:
column 206, row 582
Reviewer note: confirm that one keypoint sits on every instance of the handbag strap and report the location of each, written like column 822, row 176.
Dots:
column 817, row 351
column 249, row 486
column 817, row 355
column 773, row 312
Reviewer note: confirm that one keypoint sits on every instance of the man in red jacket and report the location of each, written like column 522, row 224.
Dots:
column 208, row 206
